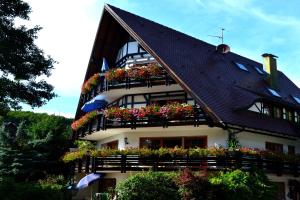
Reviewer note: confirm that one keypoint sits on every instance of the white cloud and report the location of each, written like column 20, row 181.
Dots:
column 275, row 19
column 69, row 29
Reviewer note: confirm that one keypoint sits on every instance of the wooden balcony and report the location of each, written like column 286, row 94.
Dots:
column 125, row 163
column 101, row 123
column 128, row 83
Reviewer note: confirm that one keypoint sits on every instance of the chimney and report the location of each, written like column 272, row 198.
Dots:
column 270, row 66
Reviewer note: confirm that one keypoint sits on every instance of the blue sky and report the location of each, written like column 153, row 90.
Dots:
column 252, row 27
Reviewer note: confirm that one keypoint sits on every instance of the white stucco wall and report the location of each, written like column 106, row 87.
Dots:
column 259, row 141
column 215, row 136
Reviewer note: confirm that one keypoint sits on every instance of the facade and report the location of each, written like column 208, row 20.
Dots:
column 158, row 87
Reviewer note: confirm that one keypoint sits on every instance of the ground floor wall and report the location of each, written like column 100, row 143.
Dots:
column 215, row 137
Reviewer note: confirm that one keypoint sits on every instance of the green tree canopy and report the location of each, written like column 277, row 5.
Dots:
column 31, row 145
column 21, row 61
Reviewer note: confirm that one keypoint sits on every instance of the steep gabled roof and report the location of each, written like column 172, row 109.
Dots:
column 213, row 79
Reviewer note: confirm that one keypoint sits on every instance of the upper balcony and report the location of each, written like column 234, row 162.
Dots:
column 134, row 69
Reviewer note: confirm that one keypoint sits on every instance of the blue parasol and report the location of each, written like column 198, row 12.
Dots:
column 87, row 180
column 96, row 103
column 105, row 66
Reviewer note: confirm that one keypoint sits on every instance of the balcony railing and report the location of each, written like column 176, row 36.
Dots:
column 127, row 83
column 102, row 123
column 124, row 163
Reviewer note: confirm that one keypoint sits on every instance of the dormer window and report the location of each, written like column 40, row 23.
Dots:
column 273, row 92
column 132, row 53
column 275, row 111
column 296, row 99
column 260, row 71
column 241, row 66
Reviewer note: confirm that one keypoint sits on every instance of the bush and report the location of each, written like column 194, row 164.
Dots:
column 193, row 186
column 148, row 186
column 11, row 190
column 236, row 185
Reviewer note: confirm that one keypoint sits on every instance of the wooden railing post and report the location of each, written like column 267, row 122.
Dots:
column 93, row 165
column 87, row 164
column 99, row 118
column 295, row 168
column 123, row 163
column 154, row 159
column 79, row 165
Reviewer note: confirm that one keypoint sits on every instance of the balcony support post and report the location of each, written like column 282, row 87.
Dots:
column 87, row 164
column 123, row 164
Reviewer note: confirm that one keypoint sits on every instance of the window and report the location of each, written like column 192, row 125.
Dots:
column 241, row 66
column 291, row 150
column 277, row 112
column 132, row 47
column 171, row 142
column 111, row 145
column 193, row 142
column 273, row 92
column 275, row 147
column 296, row 99
column 284, row 114
column 296, row 117
column 164, row 98
column 260, row 71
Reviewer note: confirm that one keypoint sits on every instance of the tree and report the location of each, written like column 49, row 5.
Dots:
column 31, row 145
column 21, row 61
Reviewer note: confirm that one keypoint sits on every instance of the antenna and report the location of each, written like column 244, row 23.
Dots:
column 218, row 36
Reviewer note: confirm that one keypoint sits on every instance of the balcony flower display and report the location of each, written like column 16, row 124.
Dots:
column 169, row 111
column 83, row 120
column 90, row 83
column 117, row 74
column 135, row 72
column 196, row 153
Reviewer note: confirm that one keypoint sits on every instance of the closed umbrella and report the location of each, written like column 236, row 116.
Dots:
column 96, row 103
column 87, row 180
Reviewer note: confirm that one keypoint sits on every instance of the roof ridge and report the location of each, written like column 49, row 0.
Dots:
column 167, row 27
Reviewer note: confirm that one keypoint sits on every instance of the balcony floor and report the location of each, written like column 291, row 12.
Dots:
column 114, row 94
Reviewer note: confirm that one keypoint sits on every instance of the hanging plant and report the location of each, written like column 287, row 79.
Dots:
column 90, row 83
column 84, row 120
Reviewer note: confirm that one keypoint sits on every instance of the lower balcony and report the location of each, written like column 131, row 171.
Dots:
column 102, row 123
column 124, row 163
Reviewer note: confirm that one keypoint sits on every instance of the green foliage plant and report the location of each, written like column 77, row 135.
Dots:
column 148, row 186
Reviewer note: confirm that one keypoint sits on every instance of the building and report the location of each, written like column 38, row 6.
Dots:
column 220, row 96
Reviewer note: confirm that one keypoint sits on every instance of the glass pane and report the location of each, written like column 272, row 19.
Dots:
column 132, row 47
column 172, row 142
column 124, row 49
column 297, row 99
column 274, row 93
column 150, row 143
column 194, row 142
column 274, row 147
column 241, row 66
column 259, row 70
